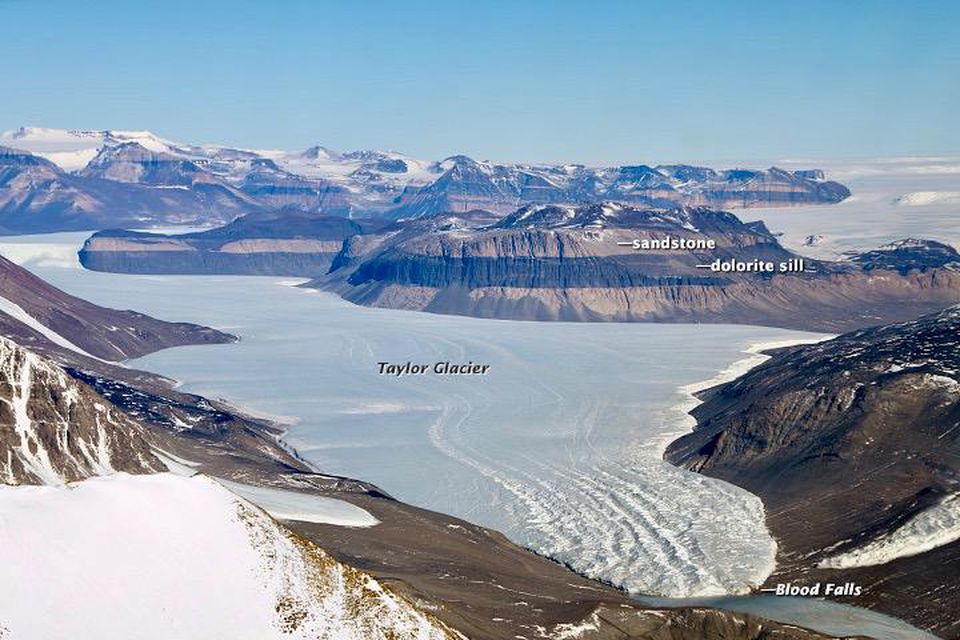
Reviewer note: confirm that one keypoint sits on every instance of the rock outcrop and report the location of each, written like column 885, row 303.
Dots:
column 908, row 255
column 30, row 308
column 54, row 429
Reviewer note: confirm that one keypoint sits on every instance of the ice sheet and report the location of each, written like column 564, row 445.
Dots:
column 892, row 199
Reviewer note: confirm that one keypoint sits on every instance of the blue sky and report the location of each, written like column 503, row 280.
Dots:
column 590, row 81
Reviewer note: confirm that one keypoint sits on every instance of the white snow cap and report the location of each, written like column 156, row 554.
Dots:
column 164, row 556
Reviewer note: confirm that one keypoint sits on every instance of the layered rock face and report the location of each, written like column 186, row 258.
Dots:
column 548, row 262
column 853, row 445
column 29, row 306
column 579, row 264
column 277, row 188
column 54, row 429
column 288, row 243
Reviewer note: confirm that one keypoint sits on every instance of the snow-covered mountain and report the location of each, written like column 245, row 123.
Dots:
column 179, row 557
column 73, row 150
column 131, row 177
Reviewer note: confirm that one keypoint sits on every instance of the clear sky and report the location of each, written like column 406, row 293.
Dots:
column 589, row 81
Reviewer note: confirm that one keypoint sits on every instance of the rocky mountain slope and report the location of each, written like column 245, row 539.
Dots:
column 63, row 180
column 853, row 444
column 910, row 254
column 260, row 580
column 38, row 196
column 54, row 429
column 580, row 264
column 29, row 306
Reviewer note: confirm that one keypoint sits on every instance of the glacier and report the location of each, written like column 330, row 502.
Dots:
column 559, row 446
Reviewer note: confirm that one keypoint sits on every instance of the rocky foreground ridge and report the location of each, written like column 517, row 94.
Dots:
column 548, row 262
column 854, row 446
column 415, row 574
column 53, row 180
column 33, row 311
column 55, row 429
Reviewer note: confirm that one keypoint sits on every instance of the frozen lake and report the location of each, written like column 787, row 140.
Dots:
column 559, row 445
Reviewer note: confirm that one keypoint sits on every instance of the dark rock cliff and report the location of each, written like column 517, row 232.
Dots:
column 54, row 429
column 577, row 264
column 550, row 262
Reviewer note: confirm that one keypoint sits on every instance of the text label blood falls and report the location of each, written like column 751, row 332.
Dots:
column 816, row 589
column 438, row 368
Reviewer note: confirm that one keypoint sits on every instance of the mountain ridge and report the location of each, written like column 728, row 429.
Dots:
column 109, row 179
column 29, row 305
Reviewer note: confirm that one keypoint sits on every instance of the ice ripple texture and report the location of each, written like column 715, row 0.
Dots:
column 623, row 515
column 641, row 525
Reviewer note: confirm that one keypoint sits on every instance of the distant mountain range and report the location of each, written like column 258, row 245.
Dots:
column 52, row 179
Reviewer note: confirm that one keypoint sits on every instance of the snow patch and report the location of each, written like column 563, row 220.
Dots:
column 175, row 557
column 927, row 198
column 933, row 527
column 295, row 505
column 571, row 631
